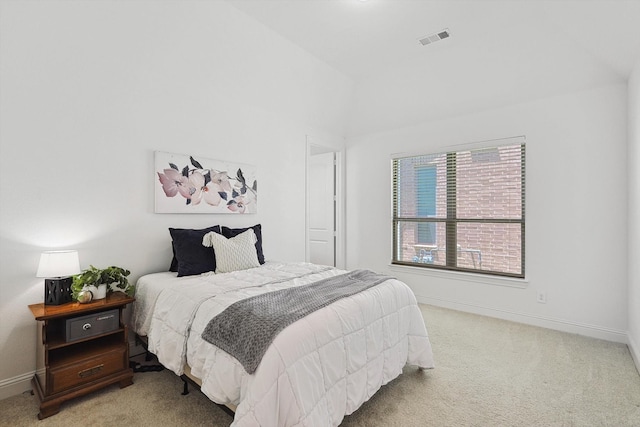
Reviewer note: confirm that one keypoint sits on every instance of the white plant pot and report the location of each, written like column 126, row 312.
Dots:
column 98, row 292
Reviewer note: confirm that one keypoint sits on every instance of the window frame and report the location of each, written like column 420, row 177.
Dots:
column 451, row 221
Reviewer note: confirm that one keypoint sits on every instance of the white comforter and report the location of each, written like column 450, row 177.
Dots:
column 317, row 370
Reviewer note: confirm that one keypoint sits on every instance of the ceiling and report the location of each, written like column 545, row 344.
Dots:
column 500, row 52
column 363, row 37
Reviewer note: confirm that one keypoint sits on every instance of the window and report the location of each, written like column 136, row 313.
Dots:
column 461, row 210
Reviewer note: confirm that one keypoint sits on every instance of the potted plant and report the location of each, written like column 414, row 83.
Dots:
column 100, row 281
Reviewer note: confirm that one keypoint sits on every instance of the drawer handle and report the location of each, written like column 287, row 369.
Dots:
column 90, row 371
column 86, row 326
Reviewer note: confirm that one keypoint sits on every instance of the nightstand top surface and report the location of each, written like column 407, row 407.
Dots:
column 44, row 312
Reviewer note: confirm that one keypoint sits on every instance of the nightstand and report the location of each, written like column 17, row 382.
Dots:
column 81, row 348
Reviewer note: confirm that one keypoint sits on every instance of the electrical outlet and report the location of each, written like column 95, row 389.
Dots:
column 542, row 297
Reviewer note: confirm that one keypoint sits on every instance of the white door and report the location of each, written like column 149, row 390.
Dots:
column 322, row 247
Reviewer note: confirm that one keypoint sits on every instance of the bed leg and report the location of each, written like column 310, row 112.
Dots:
column 185, row 390
column 147, row 354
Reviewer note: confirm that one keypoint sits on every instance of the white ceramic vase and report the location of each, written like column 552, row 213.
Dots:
column 98, row 292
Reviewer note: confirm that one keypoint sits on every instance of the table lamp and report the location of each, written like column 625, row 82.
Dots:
column 57, row 267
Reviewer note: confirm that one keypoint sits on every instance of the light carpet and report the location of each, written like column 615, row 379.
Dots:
column 489, row 372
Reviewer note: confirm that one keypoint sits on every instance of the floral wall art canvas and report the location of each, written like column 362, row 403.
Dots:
column 188, row 184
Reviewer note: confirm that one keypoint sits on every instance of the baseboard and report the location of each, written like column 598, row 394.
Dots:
column 633, row 349
column 534, row 320
column 16, row 385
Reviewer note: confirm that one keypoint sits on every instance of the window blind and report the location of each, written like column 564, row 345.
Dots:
column 461, row 210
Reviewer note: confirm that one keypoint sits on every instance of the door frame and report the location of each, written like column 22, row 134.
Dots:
column 316, row 145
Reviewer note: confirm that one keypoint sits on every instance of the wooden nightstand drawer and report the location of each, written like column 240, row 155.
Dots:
column 87, row 370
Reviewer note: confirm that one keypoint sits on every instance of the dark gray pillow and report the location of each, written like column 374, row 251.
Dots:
column 189, row 256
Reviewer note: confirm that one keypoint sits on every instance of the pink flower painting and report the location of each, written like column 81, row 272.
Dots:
column 204, row 186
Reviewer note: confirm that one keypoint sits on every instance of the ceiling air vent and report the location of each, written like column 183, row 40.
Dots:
column 435, row 37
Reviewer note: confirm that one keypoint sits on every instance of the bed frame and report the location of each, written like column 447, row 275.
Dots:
column 187, row 378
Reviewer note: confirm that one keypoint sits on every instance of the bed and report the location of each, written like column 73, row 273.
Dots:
column 315, row 371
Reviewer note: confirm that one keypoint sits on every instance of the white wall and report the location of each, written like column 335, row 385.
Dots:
column 90, row 89
column 576, row 218
column 634, row 213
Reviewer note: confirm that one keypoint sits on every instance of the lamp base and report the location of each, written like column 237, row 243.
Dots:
column 57, row 291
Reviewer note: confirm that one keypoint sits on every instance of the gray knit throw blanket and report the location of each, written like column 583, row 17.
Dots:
column 246, row 328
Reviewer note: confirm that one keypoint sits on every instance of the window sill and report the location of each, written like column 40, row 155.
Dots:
column 459, row 275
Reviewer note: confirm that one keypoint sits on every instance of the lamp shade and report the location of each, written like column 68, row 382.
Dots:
column 58, row 264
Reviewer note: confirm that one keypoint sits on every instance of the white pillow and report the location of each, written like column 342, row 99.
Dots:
column 236, row 253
